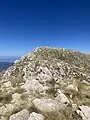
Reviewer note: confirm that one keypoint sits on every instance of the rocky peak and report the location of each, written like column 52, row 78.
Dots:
column 54, row 78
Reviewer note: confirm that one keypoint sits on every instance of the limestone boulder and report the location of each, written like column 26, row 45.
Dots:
column 47, row 105
column 32, row 85
column 62, row 98
column 22, row 115
column 36, row 116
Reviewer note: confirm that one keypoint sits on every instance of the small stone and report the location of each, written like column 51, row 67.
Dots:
column 16, row 97
column 7, row 84
column 71, row 88
column 62, row 98
column 6, row 110
column 84, row 112
column 36, row 116
column 85, row 82
column 22, row 115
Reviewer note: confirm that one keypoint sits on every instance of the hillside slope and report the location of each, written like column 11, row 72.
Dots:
column 49, row 81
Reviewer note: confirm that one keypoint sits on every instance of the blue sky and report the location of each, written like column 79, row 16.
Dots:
column 27, row 24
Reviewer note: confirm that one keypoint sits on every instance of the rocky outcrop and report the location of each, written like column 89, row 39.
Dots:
column 48, row 81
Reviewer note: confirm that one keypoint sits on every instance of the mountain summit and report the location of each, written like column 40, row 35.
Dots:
column 47, row 84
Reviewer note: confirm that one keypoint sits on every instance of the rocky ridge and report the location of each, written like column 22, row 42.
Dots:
column 48, row 84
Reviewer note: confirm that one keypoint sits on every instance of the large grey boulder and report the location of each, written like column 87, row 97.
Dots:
column 32, row 85
column 44, row 74
column 22, row 115
column 47, row 105
column 36, row 116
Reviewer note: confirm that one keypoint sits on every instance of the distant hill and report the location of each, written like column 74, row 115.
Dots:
column 8, row 58
column 5, row 62
column 5, row 65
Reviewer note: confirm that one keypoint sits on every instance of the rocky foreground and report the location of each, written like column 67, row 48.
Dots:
column 47, row 84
